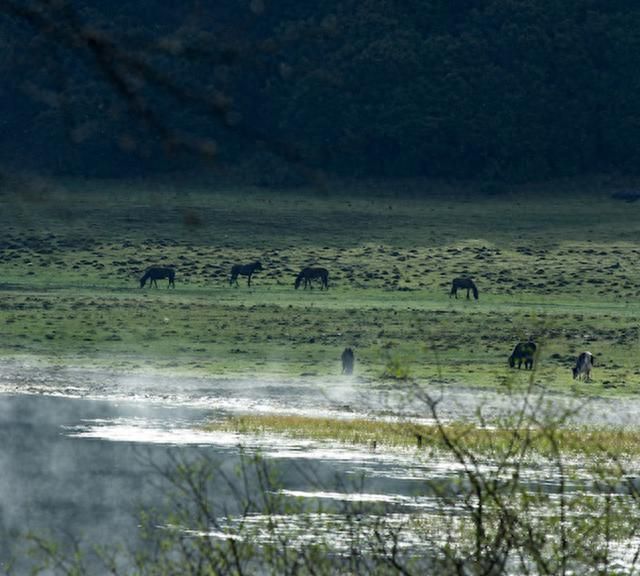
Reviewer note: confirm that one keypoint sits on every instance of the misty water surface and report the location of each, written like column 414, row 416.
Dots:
column 81, row 451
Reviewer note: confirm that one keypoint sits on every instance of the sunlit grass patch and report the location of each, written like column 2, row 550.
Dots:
column 71, row 267
column 605, row 442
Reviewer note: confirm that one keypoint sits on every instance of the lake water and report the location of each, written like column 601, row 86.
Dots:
column 82, row 452
column 80, row 469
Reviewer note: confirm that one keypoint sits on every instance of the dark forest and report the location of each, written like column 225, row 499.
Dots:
column 513, row 90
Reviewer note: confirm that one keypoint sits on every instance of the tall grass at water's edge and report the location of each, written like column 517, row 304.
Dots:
column 405, row 434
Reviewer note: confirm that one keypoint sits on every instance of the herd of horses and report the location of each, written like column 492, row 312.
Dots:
column 306, row 275
column 523, row 353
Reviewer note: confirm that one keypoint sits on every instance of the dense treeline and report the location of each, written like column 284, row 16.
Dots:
column 482, row 89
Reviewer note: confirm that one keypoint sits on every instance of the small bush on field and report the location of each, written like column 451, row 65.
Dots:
column 397, row 367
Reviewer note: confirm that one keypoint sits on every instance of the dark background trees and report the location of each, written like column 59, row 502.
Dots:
column 485, row 89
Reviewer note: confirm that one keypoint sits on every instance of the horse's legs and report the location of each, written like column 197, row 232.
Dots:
column 468, row 293
column 249, row 280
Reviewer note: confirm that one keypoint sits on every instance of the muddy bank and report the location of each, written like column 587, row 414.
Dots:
column 312, row 396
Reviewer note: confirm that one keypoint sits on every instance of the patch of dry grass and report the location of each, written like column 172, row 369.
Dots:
column 575, row 441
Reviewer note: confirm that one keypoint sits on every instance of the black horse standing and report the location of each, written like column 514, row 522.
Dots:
column 309, row 274
column 523, row 352
column 348, row 360
column 463, row 283
column 156, row 273
column 244, row 270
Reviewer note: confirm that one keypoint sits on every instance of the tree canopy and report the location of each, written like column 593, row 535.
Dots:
column 497, row 89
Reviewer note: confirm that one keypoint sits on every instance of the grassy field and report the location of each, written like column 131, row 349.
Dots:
column 559, row 265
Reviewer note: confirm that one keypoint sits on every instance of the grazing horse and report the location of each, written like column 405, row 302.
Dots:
column 347, row 361
column 583, row 366
column 156, row 273
column 524, row 351
column 244, row 270
column 309, row 274
column 463, row 283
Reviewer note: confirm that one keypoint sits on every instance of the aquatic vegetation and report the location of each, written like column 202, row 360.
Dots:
column 578, row 440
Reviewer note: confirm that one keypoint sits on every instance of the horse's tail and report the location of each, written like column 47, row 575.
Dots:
column 454, row 289
column 475, row 290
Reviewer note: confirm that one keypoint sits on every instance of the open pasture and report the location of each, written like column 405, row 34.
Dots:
column 560, row 266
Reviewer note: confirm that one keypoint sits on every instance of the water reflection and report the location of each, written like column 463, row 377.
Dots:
column 80, row 466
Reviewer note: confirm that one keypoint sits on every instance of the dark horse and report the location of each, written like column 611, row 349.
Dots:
column 156, row 273
column 244, row 270
column 463, row 283
column 583, row 366
column 348, row 359
column 309, row 274
column 524, row 351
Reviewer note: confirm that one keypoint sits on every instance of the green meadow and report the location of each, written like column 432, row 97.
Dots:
column 557, row 264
